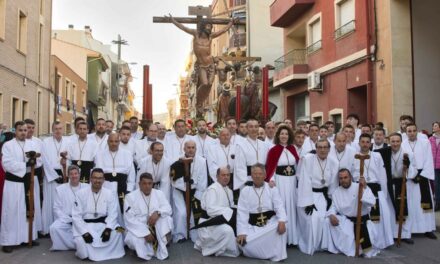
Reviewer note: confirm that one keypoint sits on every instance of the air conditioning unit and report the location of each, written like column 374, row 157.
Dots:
column 314, row 82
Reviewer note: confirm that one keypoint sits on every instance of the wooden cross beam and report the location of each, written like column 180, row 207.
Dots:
column 238, row 59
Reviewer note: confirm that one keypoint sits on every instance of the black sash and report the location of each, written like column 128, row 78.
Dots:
column 397, row 182
column 26, row 182
column 425, row 192
column 196, row 206
column 60, row 179
column 39, row 174
column 284, row 171
column 96, row 220
column 324, row 191
column 121, row 180
column 248, row 168
column 365, row 237
column 219, row 220
column 375, row 210
column 85, row 168
column 260, row 219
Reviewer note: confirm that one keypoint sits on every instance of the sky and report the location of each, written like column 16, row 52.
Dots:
column 162, row 46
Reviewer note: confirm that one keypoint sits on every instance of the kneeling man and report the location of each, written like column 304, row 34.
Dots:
column 342, row 217
column 147, row 216
column 95, row 222
column 65, row 199
column 261, row 219
column 216, row 229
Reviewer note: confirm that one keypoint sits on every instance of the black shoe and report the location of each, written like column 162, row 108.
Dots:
column 408, row 241
column 7, row 249
column 182, row 240
column 430, row 235
column 34, row 244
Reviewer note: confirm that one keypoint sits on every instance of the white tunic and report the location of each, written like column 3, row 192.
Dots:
column 138, row 208
column 269, row 142
column 314, row 232
column 309, row 144
column 160, row 172
column 129, row 146
column 173, row 146
column 220, row 156
column 203, row 144
column 344, row 204
column 82, row 150
column 61, row 234
column 257, row 246
column 200, row 180
column 93, row 206
column 100, row 141
column 218, row 240
column 248, row 153
column 51, row 161
column 345, row 158
column 14, row 227
column 142, row 149
column 137, row 135
column 421, row 221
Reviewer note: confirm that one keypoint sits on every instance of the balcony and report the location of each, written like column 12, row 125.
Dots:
column 237, row 40
column 292, row 66
column 345, row 29
column 284, row 12
column 238, row 2
column 314, row 47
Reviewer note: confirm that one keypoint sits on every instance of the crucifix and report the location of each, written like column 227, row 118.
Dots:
column 205, row 66
column 262, row 219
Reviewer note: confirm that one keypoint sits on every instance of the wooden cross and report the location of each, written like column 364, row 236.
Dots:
column 261, row 220
column 200, row 12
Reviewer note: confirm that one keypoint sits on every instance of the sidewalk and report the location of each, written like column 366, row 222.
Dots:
column 437, row 220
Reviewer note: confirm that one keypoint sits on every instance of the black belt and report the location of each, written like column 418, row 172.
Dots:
column 26, row 182
column 121, row 180
column 96, row 220
column 286, row 170
column 85, row 168
column 364, row 218
column 365, row 236
column 375, row 210
column 260, row 219
column 60, row 179
column 11, row 177
column 324, row 192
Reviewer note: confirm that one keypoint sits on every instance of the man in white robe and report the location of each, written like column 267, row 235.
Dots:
column 134, row 125
column 342, row 217
column 159, row 167
column 53, row 171
column 14, row 227
column 298, row 143
column 421, row 209
column 118, row 168
column 142, row 147
column 66, row 196
column 249, row 151
column 217, row 236
column 95, row 222
column 82, row 152
column 349, row 132
column 100, row 136
column 231, row 125
column 270, row 130
column 198, row 181
column 374, row 172
column 126, row 142
column 174, row 142
column 342, row 153
column 261, row 219
column 147, row 216
column 203, row 140
column 310, row 141
column 317, row 181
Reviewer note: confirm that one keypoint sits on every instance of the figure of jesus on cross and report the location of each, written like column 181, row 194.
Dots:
column 205, row 66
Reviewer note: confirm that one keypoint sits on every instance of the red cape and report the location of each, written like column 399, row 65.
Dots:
column 274, row 155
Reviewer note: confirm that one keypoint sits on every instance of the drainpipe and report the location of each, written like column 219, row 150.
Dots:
column 370, row 83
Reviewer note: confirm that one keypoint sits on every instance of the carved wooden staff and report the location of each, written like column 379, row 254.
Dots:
column 402, row 200
column 187, row 180
column 64, row 158
column 32, row 156
column 362, row 159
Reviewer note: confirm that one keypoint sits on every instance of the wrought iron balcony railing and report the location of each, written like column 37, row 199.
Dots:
column 345, row 29
column 293, row 57
column 314, row 47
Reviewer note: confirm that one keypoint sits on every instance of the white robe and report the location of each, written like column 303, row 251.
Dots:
column 421, row 221
column 137, row 135
column 38, row 147
column 200, row 177
column 89, row 151
column 137, row 210
column 309, row 145
column 106, row 206
column 218, row 240
column 14, row 226
column 130, row 147
column 61, row 232
column 345, row 158
column 51, row 161
column 262, row 242
column 101, row 142
column 160, row 173
column 248, row 153
column 269, row 142
column 203, row 145
column 288, row 191
column 173, row 146
column 142, row 149
column 374, row 172
column 314, row 232
column 344, row 204
column 220, row 156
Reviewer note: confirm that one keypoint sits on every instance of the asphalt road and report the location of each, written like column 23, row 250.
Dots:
column 424, row 251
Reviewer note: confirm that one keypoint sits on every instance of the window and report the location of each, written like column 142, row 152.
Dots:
column 344, row 17
column 318, row 120
column 314, row 34
column 68, row 128
column 74, row 98
column 59, row 85
column 22, row 32
column 41, row 7
column 67, row 91
column 337, row 119
column 15, row 110
column 84, row 99
column 2, row 18
column 24, row 110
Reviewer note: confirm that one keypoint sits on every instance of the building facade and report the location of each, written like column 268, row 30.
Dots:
column 25, row 90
